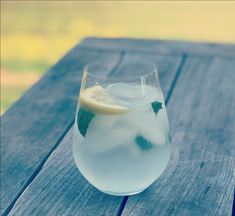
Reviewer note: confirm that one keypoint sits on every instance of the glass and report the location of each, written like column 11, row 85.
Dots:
column 121, row 132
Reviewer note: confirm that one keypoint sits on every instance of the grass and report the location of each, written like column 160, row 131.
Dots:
column 35, row 34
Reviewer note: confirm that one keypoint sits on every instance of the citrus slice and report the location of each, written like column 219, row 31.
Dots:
column 98, row 100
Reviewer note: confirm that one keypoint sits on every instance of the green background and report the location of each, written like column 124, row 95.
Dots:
column 35, row 34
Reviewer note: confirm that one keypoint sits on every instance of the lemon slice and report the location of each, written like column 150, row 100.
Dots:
column 98, row 100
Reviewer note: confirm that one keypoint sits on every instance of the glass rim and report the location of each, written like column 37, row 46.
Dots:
column 133, row 77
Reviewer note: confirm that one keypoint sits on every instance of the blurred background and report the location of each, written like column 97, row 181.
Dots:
column 35, row 34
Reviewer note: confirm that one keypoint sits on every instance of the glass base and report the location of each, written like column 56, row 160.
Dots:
column 122, row 194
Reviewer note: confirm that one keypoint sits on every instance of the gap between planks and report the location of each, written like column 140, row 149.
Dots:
column 169, row 93
column 125, row 198
column 33, row 176
column 44, row 160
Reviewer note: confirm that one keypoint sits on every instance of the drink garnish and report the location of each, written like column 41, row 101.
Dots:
column 143, row 143
column 98, row 100
column 156, row 106
column 84, row 118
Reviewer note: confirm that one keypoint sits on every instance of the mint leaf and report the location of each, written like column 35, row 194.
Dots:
column 143, row 143
column 84, row 118
column 156, row 106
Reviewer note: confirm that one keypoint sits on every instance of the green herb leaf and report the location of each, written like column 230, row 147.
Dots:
column 84, row 118
column 156, row 106
column 143, row 143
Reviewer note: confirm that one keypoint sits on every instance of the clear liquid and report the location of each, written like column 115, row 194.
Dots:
column 124, row 154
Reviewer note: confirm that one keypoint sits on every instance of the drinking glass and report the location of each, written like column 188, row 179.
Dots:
column 121, row 139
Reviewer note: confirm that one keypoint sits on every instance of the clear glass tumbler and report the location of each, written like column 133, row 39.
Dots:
column 121, row 132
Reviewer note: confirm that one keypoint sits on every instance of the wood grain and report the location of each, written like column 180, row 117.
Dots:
column 188, row 188
column 35, row 124
column 39, row 176
column 201, row 110
column 59, row 189
column 167, row 67
column 201, row 177
column 160, row 46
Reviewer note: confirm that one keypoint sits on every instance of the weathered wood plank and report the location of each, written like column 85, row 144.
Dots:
column 34, row 125
column 202, row 109
column 201, row 113
column 59, row 189
column 159, row 46
column 166, row 67
column 188, row 188
column 195, row 114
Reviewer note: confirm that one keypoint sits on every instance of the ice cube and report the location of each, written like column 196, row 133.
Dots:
column 125, row 94
column 102, row 137
column 148, row 126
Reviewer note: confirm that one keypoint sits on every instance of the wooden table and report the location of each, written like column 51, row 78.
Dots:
column 39, row 176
